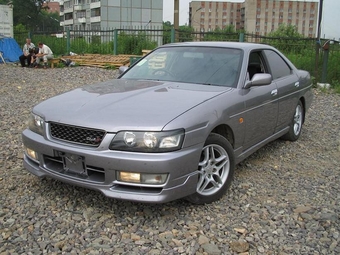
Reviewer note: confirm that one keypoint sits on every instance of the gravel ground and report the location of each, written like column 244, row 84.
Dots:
column 284, row 199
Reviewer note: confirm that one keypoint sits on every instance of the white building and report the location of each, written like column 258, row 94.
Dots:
column 6, row 20
column 110, row 14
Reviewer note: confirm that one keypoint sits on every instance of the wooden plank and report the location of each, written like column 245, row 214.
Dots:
column 104, row 60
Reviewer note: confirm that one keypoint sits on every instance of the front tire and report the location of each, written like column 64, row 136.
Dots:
column 216, row 170
column 296, row 125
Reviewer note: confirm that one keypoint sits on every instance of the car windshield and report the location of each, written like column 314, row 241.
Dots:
column 201, row 65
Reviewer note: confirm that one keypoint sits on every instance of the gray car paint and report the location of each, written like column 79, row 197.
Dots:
column 155, row 105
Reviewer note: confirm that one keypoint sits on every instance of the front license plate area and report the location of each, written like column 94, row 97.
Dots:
column 74, row 164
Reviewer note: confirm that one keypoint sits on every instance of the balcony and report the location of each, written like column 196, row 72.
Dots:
column 95, row 5
column 68, row 10
column 95, row 19
column 81, row 20
column 68, row 22
column 79, row 7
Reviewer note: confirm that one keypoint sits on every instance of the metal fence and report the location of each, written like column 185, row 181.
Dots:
column 305, row 53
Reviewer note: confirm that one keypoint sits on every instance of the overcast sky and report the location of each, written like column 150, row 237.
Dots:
column 330, row 23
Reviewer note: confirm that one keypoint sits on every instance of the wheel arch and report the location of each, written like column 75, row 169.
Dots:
column 226, row 132
column 303, row 101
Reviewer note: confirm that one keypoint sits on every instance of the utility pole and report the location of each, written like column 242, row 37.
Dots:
column 320, row 19
column 318, row 43
column 176, row 18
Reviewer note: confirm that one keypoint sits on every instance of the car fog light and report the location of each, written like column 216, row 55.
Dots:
column 154, row 178
column 129, row 177
column 32, row 154
column 142, row 178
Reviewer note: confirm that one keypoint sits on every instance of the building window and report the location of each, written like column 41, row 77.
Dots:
column 81, row 14
column 95, row 12
column 95, row 26
column 68, row 16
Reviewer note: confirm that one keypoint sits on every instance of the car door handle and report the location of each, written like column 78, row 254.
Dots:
column 297, row 84
column 274, row 92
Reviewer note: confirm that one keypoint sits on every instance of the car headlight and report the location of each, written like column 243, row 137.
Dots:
column 138, row 141
column 36, row 124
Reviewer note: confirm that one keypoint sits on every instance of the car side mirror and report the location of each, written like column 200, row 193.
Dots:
column 122, row 69
column 259, row 79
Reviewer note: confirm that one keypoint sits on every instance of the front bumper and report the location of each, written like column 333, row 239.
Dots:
column 101, row 166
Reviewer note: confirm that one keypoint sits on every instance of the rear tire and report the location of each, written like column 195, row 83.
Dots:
column 216, row 170
column 296, row 125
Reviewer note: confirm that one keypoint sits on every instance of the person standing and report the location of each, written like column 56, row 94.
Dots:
column 27, row 51
column 44, row 54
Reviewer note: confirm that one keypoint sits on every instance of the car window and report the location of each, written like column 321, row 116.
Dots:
column 201, row 65
column 255, row 64
column 279, row 68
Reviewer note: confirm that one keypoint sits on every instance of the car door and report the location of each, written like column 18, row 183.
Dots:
column 287, row 85
column 261, row 105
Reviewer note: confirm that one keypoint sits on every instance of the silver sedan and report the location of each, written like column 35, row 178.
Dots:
column 173, row 125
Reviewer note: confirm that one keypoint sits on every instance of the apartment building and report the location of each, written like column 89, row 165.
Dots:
column 206, row 16
column 255, row 16
column 110, row 14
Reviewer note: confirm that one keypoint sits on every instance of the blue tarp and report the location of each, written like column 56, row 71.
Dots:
column 10, row 49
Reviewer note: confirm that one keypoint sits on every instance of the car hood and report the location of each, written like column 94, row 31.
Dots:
column 126, row 104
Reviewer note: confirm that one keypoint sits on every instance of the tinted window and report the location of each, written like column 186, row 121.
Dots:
column 278, row 66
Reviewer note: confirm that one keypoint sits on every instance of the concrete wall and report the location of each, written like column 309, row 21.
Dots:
column 6, row 20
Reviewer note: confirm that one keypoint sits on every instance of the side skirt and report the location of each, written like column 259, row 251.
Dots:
column 240, row 155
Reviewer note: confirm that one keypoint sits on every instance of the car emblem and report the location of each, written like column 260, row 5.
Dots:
column 94, row 139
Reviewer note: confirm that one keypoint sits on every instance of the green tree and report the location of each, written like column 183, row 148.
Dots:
column 185, row 33
column 48, row 22
column 27, row 12
column 228, row 33
column 286, row 38
column 167, row 26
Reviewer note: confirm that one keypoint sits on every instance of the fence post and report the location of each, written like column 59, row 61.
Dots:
column 325, row 61
column 317, row 53
column 68, row 40
column 241, row 37
column 173, row 31
column 115, row 42
column 29, row 35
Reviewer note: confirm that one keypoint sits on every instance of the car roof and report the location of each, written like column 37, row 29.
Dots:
column 239, row 45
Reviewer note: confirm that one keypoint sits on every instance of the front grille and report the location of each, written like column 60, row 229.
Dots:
column 79, row 135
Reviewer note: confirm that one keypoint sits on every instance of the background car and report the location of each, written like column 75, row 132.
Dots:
column 174, row 125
